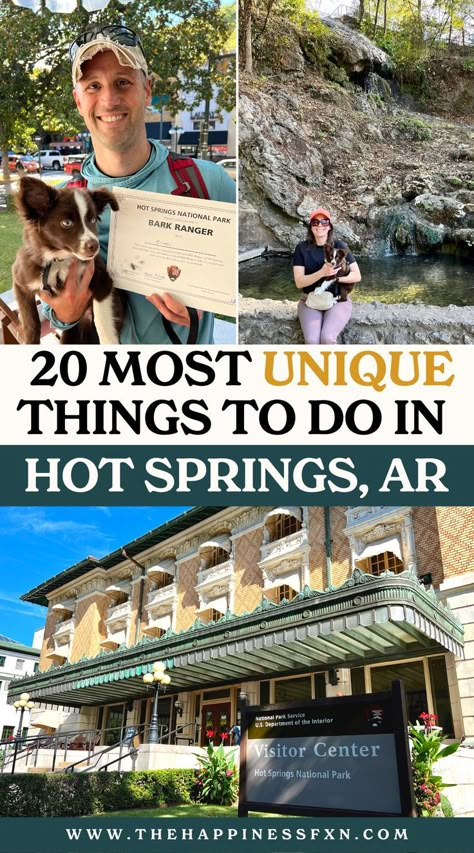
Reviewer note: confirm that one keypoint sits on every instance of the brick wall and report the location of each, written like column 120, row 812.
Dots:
column 248, row 575
column 188, row 599
column 427, row 544
column 90, row 626
column 456, row 529
column 317, row 556
column 135, row 596
column 340, row 551
column 48, row 644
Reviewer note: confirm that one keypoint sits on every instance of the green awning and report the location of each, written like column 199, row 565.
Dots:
column 366, row 620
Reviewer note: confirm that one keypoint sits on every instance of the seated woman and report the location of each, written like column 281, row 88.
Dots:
column 310, row 269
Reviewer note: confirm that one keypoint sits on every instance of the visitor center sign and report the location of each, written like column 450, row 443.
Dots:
column 341, row 756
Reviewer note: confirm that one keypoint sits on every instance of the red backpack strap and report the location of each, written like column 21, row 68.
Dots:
column 80, row 182
column 187, row 177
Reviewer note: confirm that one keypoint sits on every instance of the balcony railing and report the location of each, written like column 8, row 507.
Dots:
column 360, row 514
column 282, row 547
column 64, row 629
column 164, row 595
column 219, row 574
column 119, row 611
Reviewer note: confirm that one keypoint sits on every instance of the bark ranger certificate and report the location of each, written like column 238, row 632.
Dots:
column 184, row 246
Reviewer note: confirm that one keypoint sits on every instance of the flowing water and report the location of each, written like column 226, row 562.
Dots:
column 440, row 280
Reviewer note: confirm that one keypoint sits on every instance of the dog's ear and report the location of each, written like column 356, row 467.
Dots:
column 328, row 251
column 35, row 198
column 102, row 198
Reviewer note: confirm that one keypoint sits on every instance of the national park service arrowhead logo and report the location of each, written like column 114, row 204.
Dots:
column 374, row 717
column 173, row 273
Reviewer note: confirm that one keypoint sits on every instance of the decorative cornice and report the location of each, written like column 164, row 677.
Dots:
column 359, row 592
column 245, row 521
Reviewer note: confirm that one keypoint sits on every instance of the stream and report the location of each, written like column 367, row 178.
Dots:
column 441, row 280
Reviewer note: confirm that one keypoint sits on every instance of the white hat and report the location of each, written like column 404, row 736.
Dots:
column 126, row 55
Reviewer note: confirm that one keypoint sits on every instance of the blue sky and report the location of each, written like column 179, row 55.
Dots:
column 38, row 542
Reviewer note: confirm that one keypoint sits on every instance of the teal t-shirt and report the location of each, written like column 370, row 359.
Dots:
column 143, row 323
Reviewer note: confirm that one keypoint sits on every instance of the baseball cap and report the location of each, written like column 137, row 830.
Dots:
column 320, row 212
column 122, row 41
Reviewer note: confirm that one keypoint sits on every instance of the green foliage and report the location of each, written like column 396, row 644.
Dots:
column 217, row 778
column 337, row 74
column 181, row 39
column 76, row 794
column 426, row 749
column 276, row 27
column 316, row 39
column 413, row 128
column 10, row 241
column 446, row 806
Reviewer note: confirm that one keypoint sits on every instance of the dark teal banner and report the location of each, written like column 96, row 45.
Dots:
column 208, row 835
column 236, row 474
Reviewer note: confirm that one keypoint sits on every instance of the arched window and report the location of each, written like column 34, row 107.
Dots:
column 282, row 522
column 215, row 551
column 380, row 563
column 284, row 592
column 380, row 556
column 215, row 556
column 162, row 580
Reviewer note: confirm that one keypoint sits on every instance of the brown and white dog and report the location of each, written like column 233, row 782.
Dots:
column 59, row 226
column 337, row 258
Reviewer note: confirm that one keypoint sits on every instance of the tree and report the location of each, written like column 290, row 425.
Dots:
column 245, row 13
column 27, row 43
column 178, row 36
column 257, row 16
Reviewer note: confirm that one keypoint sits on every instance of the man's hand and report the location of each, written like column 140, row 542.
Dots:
column 70, row 303
column 173, row 310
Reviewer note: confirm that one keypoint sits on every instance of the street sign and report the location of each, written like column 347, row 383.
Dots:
column 343, row 756
column 160, row 100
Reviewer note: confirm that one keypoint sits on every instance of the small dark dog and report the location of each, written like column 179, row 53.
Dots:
column 337, row 258
column 59, row 226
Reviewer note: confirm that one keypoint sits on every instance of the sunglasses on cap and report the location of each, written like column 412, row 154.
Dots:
column 315, row 222
column 116, row 33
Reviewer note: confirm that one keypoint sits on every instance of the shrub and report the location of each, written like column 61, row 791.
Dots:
column 426, row 749
column 413, row 128
column 217, row 779
column 76, row 794
column 337, row 74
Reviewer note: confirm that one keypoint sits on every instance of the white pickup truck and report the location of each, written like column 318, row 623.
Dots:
column 51, row 159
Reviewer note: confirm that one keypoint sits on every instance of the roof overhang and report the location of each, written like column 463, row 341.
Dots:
column 366, row 620
column 39, row 595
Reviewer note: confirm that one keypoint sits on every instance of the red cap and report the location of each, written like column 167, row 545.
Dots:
column 320, row 212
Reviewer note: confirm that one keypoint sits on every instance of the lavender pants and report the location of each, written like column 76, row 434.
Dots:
column 323, row 327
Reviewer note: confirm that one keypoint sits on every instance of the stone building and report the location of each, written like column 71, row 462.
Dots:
column 16, row 659
column 278, row 603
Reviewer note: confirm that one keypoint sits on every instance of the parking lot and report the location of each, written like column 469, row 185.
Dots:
column 48, row 175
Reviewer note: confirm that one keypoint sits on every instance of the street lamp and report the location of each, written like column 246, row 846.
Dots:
column 37, row 138
column 159, row 678
column 175, row 133
column 21, row 705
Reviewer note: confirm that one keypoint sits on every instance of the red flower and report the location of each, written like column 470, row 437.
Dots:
column 210, row 733
column 225, row 735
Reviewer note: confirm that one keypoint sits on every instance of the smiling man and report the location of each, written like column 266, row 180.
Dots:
column 112, row 88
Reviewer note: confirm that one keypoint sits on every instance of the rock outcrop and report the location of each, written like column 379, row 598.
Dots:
column 391, row 177
column 354, row 52
column 266, row 321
